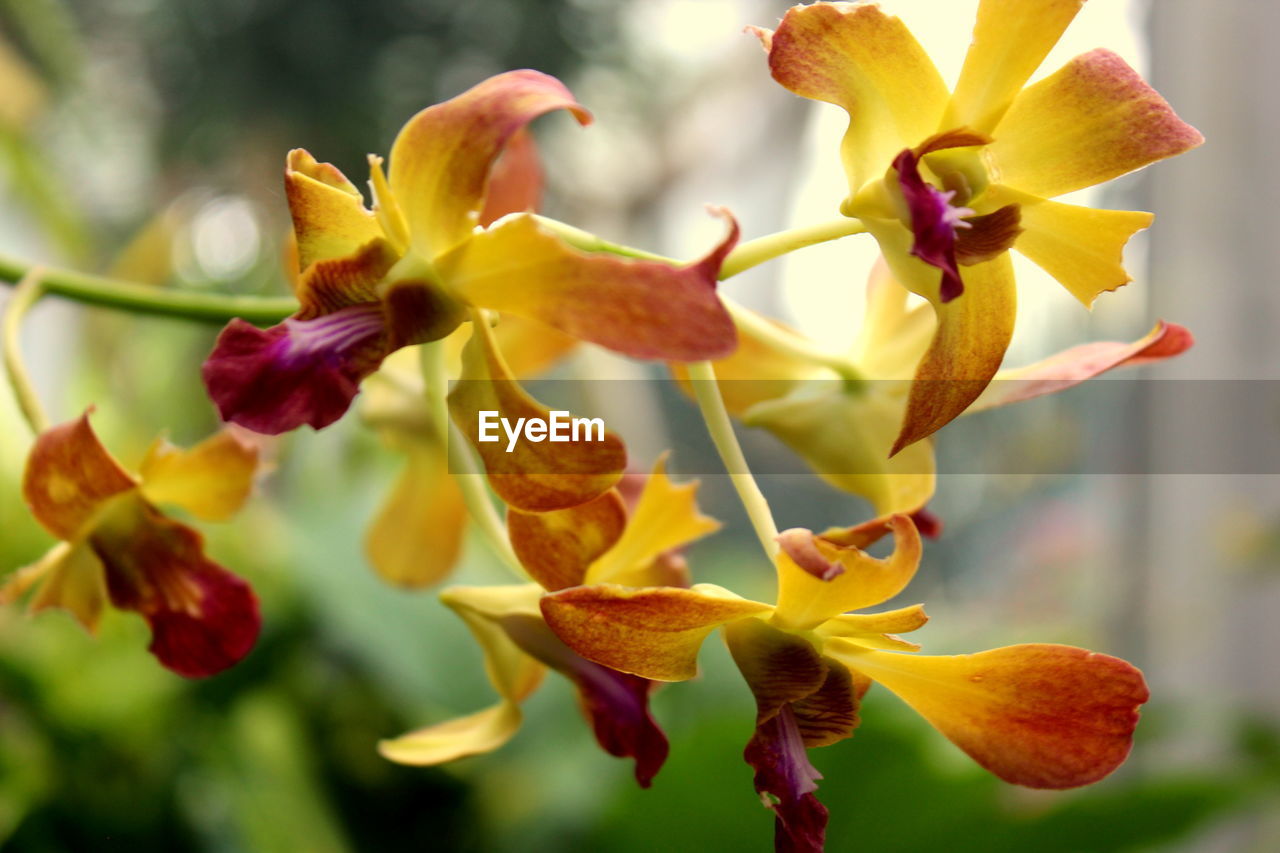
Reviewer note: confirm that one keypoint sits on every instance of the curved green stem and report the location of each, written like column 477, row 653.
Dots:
column 703, row 379
column 754, row 252
column 27, row 293
column 141, row 299
column 462, row 463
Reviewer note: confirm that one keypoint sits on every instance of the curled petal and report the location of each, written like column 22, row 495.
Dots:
column 615, row 703
column 211, row 480
column 515, row 184
column 416, row 537
column 1082, row 247
column 644, row 309
column 855, row 579
column 653, row 632
column 665, row 517
column 933, row 223
column 779, row 667
column 69, row 577
column 558, row 546
column 1071, row 367
column 1044, row 716
column 70, row 477
column 330, row 220
column 474, row 734
column 859, row 58
column 330, row 285
column 1010, row 40
column 969, row 344
column 1092, row 121
column 203, row 618
column 442, row 158
column 534, row 476
column 299, row 372
column 877, row 630
column 511, row 671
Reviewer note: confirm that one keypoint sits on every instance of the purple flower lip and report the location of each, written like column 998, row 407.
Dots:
column 934, row 220
column 298, row 372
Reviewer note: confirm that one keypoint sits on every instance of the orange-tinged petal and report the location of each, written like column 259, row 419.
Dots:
column 442, row 158
column 1092, row 121
column 416, row 537
column 534, row 476
column 1010, row 40
column 665, row 517
column 333, row 284
column 857, row 57
column 515, row 184
column 474, row 734
column 644, row 309
column 819, row 579
column 973, row 333
column 211, row 480
column 530, row 347
column 69, row 478
column 1082, row 247
column 845, row 435
column 329, row 216
column 779, row 667
column 1044, row 716
column 652, row 632
column 557, row 547
column 1071, row 367
column 69, row 577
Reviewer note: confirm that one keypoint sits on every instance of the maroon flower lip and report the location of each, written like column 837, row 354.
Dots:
column 298, row 372
column 934, row 220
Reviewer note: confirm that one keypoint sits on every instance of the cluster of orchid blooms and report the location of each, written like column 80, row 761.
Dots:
column 450, row 275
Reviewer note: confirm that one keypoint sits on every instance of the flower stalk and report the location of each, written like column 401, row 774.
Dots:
column 25, row 295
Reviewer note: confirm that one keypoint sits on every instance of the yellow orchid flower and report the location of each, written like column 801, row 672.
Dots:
column 593, row 542
column 948, row 181
column 117, row 546
column 409, row 271
column 844, row 429
column 1044, row 716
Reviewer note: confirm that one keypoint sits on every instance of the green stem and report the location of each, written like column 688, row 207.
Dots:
column 27, row 293
column 213, row 308
column 754, row 252
column 462, row 463
column 703, row 379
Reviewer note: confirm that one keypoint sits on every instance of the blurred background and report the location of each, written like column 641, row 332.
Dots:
column 145, row 139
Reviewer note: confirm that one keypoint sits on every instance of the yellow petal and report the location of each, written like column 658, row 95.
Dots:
column 644, row 309
column 877, row 630
column 513, row 673
column 441, row 160
column 329, row 216
column 665, row 517
column 1082, row 247
column 857, row 57
column 894, row 336
column 1044, row 716
column 1092, row 121
column 70, row 577
column 474, row 734
column 211, row 480
column 70, row 477
column 819, row 579
column 845, row 434
column 533, row 476
column 1010, row 40
column 653, row 632
column 416, row 537
column 973, row 333
column 557, row 547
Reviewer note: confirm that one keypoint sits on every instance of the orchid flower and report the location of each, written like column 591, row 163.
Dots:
column 117, row 546
column 1043, row 716
column 593, row 542
column 409, row 271
column 947, row 182
column 845, row 429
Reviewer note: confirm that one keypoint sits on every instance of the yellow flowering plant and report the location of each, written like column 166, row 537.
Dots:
column 445, row 290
